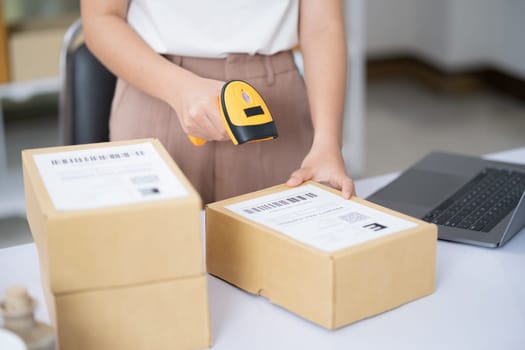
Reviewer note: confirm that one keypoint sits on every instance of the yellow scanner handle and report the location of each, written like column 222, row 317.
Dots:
column 196, row 141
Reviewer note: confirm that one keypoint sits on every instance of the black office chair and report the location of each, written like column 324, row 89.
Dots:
column 86, row 93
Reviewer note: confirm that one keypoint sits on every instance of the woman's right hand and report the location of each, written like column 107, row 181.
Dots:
column 196, row 102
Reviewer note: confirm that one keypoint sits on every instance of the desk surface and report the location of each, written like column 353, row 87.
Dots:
column 479, row 302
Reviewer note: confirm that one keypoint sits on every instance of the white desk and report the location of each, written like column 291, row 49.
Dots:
column 479, row 303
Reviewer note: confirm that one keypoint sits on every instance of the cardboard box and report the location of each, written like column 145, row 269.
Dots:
column 114, row 219
column 326, row 259
column 111, row 244
column 161, row 316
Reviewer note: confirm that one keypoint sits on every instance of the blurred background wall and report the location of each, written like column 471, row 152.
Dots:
column 453, row 34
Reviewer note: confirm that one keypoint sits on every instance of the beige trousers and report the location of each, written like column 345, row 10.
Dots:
column 220, row 170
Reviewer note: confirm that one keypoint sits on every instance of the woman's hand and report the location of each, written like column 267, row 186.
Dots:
column 324, row 166
column 323, row 45
column 197, row 105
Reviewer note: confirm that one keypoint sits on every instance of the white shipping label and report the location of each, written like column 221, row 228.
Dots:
column 107, row 176
column 319, row 218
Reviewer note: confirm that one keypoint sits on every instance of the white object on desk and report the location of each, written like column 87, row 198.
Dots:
column 479, row 302
column 10, row 341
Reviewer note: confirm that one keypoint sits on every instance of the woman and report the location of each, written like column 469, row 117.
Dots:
column 173, row 57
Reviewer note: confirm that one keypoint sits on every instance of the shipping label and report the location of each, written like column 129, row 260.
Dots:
column 107, row 176
column 320, row 218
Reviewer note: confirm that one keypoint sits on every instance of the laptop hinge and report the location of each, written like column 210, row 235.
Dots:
column 516, row 222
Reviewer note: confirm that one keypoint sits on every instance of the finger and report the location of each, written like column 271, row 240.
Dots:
column 197, row 124
column 204, row 131
column 345, row 184
column 298, row 177
column 215, row 119
column 348, row 188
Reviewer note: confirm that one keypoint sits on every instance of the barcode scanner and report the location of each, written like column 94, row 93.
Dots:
column 244, row 113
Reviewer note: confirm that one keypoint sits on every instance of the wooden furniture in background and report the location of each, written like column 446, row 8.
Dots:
column 4, row 54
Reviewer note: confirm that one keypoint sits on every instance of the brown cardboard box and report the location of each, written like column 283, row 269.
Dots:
column 334, row 283
column 116, row 219
column 164, row 315
column 115, row 245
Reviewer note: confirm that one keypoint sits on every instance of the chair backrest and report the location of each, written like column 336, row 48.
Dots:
column 86, row 93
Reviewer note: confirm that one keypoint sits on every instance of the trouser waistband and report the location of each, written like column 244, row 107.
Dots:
column 238, row 66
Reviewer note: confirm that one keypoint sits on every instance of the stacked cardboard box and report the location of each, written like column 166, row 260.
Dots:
column 329, row 260
column 118, row 232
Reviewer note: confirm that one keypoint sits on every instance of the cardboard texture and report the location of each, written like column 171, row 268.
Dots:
column 332, row 289
column 164, row 315
column 96, row 264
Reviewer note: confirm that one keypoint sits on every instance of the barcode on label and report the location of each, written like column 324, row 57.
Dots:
column 353, row 217
column 96, row 158
column 280, row 203
column 149, row 191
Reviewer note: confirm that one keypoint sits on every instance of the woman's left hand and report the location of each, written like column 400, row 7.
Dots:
column 324, row 167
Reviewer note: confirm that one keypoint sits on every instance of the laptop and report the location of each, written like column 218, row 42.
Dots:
column 472, row 200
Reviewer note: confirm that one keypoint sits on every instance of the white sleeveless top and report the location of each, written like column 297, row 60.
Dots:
column 215, row 28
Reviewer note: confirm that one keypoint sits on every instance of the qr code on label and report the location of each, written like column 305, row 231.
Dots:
column 353, row 217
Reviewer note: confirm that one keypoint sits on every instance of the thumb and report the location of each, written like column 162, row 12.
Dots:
column 298, row 177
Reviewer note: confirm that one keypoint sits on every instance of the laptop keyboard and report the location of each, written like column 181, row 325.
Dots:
column 482, row 202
